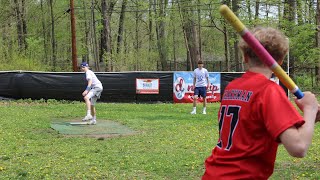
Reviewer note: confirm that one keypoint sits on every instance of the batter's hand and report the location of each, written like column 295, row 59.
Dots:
column 308, row 103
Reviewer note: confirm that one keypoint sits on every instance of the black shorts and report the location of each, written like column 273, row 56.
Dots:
column 200, row 91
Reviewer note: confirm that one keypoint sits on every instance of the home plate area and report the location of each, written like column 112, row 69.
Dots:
column 103, row 128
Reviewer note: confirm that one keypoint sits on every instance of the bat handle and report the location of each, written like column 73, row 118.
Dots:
column 299, row 94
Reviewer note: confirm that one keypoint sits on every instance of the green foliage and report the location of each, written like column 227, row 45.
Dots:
column 140, row 32
column 306, row 82
column 21, row 62
column 302, row 44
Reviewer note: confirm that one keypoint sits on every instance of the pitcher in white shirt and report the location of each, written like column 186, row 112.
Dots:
column 200, row 84
column 91, row 94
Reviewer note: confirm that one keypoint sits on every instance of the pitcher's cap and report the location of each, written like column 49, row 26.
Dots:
column 84, row 64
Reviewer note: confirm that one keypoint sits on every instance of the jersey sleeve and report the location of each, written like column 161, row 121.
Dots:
column 88, row 76
column 206, row 74
column 278, row 112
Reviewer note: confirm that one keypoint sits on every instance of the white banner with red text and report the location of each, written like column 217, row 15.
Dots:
column 147, row 86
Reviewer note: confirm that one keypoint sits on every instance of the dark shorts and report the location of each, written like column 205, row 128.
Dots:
column 200, row 91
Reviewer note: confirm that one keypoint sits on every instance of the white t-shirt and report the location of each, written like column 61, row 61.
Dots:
column 201, row 77
column 95, row 81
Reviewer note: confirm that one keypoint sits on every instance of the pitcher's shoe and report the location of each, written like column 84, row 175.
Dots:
column 87, row 118
column 193, row 112
column 92, row 122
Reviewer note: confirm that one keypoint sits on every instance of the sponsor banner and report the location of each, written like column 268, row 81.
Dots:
column 147, row 86
column 183, row 87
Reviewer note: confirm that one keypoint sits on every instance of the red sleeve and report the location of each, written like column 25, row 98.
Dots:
column 278, row 112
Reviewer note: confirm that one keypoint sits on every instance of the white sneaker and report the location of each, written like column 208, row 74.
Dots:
column 92, row 122
column 193, row 112
column 204, row 112
column 87, row 118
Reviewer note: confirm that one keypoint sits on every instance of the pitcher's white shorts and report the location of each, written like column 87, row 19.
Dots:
column 94, row 94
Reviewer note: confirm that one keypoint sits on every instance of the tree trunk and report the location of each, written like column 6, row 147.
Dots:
column 150, row 31
column 24, row 25
column 160, row 30
column 248, row 2
column 226, row 49
column 10, row 41
column 199, row 29
column 175, row 44
column 53, row 39
column 299, row 12
column 137, row 42
column 238, row 64
column 189, row 63
column 193, row 42
column 191, row 34
column 19, row 26
column 86, row 33
column 43, row 23
column 4, row 51
column 225, row 38
column 256, row 14
column 105, row 46
column 289, row 15
column 121, row 24
column 94, row 37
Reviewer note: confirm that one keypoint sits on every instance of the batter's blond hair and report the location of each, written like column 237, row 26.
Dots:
column 275, row 42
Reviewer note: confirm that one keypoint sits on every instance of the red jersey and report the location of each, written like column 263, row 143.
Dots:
column 254, row 111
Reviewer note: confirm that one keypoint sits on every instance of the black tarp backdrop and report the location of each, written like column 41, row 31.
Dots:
column 226, row 78
column 118, row 87
column 8, row 85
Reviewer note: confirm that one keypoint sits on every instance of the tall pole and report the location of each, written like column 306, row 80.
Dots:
column 73, row 37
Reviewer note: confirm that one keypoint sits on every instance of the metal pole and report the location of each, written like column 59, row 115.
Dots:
column 73, row 37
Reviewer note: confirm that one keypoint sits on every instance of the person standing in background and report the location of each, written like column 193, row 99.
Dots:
column 200, row 84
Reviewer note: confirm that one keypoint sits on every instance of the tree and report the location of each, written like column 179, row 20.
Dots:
column 223, row 30
column 44, row 34
column 94, row 36
column 21, row 24
column 86, row 33
column 257, row 7
column 160, row 31
column 105, row 40
column 289, row 15
column 53, row 39
column 238, row 63
column 191, row 33
column 121, row 25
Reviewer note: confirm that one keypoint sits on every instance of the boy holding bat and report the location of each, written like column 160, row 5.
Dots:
column 255, row 116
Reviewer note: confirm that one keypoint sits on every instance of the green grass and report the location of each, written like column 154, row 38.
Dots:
column 171, row 144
